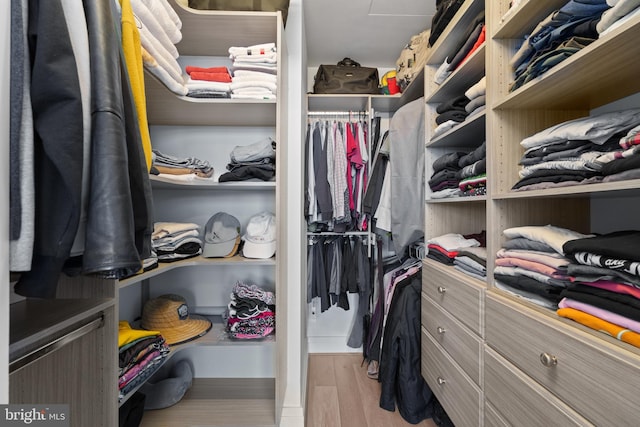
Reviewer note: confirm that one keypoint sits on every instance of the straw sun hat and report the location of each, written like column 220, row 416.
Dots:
column 169, row 315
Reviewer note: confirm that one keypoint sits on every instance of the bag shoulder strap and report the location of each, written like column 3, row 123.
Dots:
column 348, row 62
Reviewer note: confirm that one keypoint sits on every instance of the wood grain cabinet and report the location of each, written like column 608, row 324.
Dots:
column 525, row 364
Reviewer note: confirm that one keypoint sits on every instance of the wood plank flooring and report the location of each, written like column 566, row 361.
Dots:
column 341, row 395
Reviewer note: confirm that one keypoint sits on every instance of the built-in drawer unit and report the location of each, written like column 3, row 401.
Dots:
column 492, row 418
column 457, row 393
column 457, row 293
column 593, row 376
column 522, row 401
column 461, row 344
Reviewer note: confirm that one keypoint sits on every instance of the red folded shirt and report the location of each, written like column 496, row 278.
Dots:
column 212, row 77
column 190, row 68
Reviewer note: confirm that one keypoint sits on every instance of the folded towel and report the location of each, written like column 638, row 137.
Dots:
column 150, row 20
column 161, row 74
column 167, row 18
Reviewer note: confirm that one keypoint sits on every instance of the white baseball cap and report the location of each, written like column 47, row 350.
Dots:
column 260, row 237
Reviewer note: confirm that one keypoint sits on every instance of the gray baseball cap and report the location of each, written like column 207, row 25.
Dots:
column 221, row 236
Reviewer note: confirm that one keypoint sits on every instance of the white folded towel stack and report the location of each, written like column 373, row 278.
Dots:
column 254, row 71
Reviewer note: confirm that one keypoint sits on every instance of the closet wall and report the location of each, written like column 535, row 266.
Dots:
column 5, row 13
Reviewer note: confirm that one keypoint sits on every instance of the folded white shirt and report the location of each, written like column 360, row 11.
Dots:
column 255, row 83
column 265, row 68
column 257, row 49
column 267, row 59
column 252, row 90
column 253, row 96
column 207, row 85
column 256, row 77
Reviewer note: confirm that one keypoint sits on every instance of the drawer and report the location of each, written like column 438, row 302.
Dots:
column 462, row 345
column 459, row 396
column 492, row 418
column 591, row 375
column 457, row 293
column 520, row 401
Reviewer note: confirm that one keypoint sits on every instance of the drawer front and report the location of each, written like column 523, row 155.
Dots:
column 590, row 375
column 520, row 400
column 492, row 418
column 462, row 345
column 456, row 293
column 459, row 396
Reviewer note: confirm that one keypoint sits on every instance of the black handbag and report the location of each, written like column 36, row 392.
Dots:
column 347, row 77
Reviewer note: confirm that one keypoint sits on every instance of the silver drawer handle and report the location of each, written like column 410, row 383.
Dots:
column 548, row 360
column 441, row 330
column 442, row 289
column 441, row 380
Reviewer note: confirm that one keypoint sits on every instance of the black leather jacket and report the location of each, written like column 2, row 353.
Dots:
column 119, row 215
column 119, row 221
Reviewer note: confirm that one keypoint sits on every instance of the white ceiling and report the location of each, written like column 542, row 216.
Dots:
column 372, row 32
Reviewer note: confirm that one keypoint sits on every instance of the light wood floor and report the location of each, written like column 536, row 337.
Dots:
column 341, row 395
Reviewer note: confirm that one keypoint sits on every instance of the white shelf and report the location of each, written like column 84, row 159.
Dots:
column 192, row 262
column 468, row 133
column 159, row 183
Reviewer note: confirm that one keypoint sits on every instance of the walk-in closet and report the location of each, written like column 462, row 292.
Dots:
column 197, row 232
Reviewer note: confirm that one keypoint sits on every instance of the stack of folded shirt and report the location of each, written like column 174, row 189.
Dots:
column 254, row 71
column 531, row 263
column 208, row 82
column 578, row 151
column 251, row 312
column 445, row 179
column 560, row 35
column 472, row 261
column 605, row 295
column 473, row 173
column 174, row 241
column 477, row 98
column 452, row 110
column 445, row 248
column 254, row 161
column 624, row 162
column 472, row 39
column 140, row 354
column 621, row 11
column 160, row 29
column 180, row 169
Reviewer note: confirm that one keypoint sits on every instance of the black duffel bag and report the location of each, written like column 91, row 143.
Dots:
column 347, row 77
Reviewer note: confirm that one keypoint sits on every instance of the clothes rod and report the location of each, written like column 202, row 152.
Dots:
column 336, row 113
